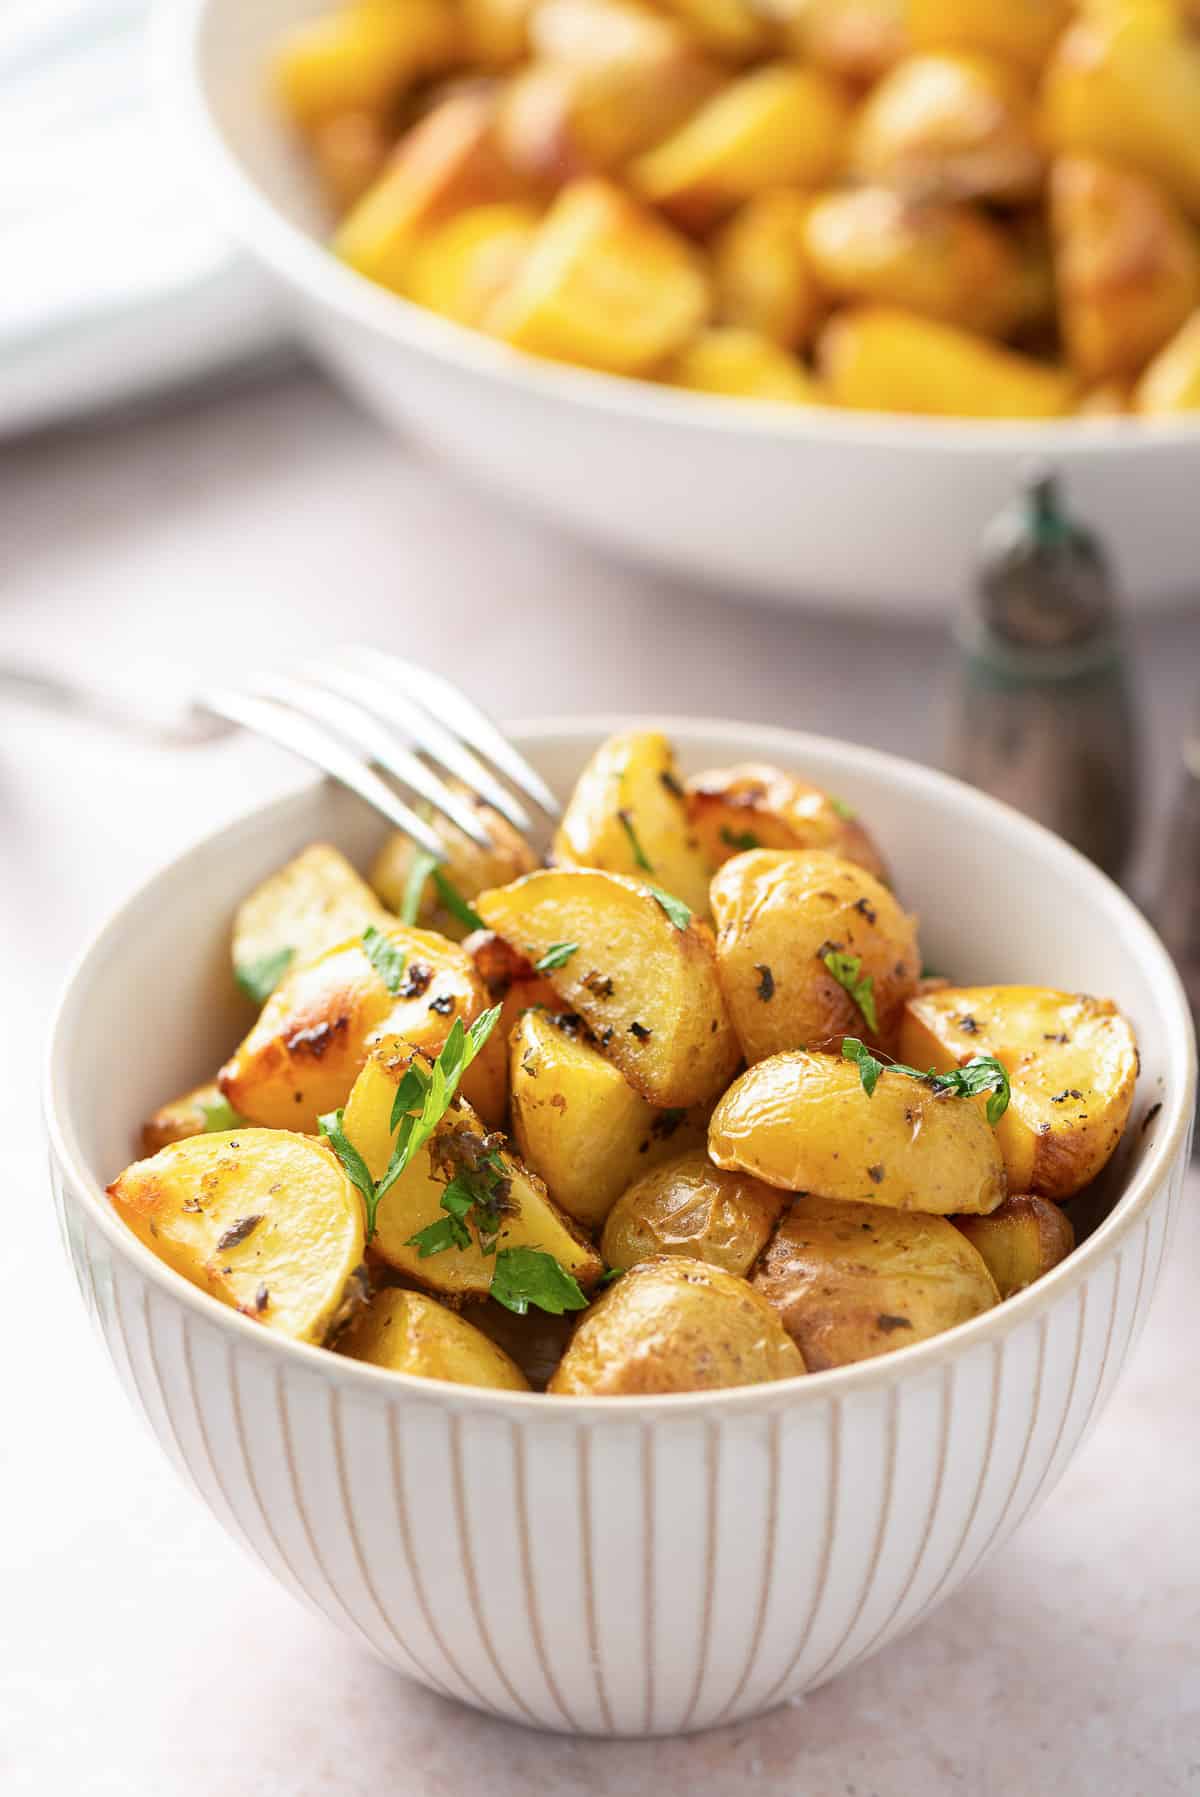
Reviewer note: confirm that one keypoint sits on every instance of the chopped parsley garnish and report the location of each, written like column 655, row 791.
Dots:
column 846, row 812
column 454, row 902
column 526, row 1276
column 983, row 1073
column 739, row 839
column 639, row 854
column 847, row 971
column 330, row 1126
column 258, row 979
column 219, row 1115
column 385, row 956
column 675, row 908
column 557, row 955
column 423, row 864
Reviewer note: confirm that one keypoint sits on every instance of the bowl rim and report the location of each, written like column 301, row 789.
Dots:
column 302, row 261
column 1149, row 1181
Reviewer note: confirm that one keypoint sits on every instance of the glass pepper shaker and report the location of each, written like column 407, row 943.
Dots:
column 1043, row 713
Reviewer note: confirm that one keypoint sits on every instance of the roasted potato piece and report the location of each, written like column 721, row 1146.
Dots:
column 743, row 365
column 605, row 284
column 941, row 258
column 468, row 868
column 447, row 162
column 1172, row 381
column 262, row 1219
column 579, row 1125
column 406, row 1332
column 316, row 1030
column 1128, row 265
column 646, row 987
column 310, row 905
column 877, row 359
column 460, row 267
column 755, row 806
column 199, row 1113
column 349, row 150
column 1072, row 1061
column 526, row 1214
column 856, row 40
column 736, row 30
column 952, row 125
column 672, row 1324
column 810, row 948
column 777, row 126
column 1022, row 1239
column 690, row 1207
column 850, row 1281
column 628, row 815
column 761, row 277
column 361, row 57
column 535, row 1341
column 511, row 981
column 1020, row 30
column 803, row 1122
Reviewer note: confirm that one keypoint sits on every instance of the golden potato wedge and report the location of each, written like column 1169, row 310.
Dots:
column 810, row 948
column 1022, row 1239
column 672, row 1324
column 952, row 125
column 407, row 1332
column 201, row 1112
column 560, row 121
column 856, row 40
column 578, row 1124
column 761, row 278
column 510, row 979
column 310, row 905
column 1128, row 265
column 526, row 1215
column 605, row 284
column 1172, row 381
column 316, row 1030
column 265, row 1220
column 628, row 815
column 804, row 1123
column 755, row 806
column 743, row 365
column 688, row 1206
column 644, row 976
column 468, row 868
column 448, row 161
column 850, row 1281
column 880, row 359
column 778, row 126
column 1072, row 1061
column 1020, row 30
column 349, row 150
column 361, row 57
column 459, row 267
column 941, row 258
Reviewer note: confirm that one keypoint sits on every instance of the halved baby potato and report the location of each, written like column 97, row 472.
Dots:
column 528, row 1217
column 644, row 981
column 690, row 1207
column 265, row 1220
column 362, row 56
column 953, row 124
column 407, row 1332
column 628, row 815
column 458, row 267
column 1021, row 1239
column 755, row 806
column 803, row 1122
column 316, row 901
column 762, row 281
column 810, row 948
column 876, row 358
column 850, row 1281
column 317, row 1028
column 672, row 1324
column 468, row 867
column 1072, row 1061
column 204, row 1111
column 578, row 1123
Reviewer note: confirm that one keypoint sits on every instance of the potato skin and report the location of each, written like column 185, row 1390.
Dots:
column 407, row 1332
column 1022, row 1239
column 728, row 805
column 1072, row 1061
column 778, row 914
column 630, row 792
column 296, row 1268
column 692, row 1208
column 803, row 1122
column 671, row 1325
column 468, row 867
column 189, row 1115
column 313, row 903
column 851, row 1281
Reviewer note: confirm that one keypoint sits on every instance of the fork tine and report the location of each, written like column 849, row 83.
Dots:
column 313, row 743
column 429, row 735
column 375, row 740
column 475, row 727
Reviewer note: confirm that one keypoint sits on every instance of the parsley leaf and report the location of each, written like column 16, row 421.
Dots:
column 675, row 908
column 640, row 858
column 982, row 1073
column 423, row 864
column 385, row 956
column 357, row 1171
column 435, row 1093
column 557, row 955
column 846, row 812
column 869, row 1067
column 219, row 1116
column 846, row 970
column 739, row 839
column 454, row 902
column 258, row 979
column 526, row 1276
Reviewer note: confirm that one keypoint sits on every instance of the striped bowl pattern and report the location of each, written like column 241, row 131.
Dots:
column 622, row 1567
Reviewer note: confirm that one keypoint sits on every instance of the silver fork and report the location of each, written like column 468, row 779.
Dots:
column 359, row 715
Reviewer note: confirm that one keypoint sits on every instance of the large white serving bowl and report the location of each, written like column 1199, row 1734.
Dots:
column 622, row 1565
column 866, row 512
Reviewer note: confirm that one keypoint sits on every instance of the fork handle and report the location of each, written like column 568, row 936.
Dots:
column 175, row 723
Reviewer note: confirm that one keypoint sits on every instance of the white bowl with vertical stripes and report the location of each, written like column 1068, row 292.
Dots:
column 626, row 1566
